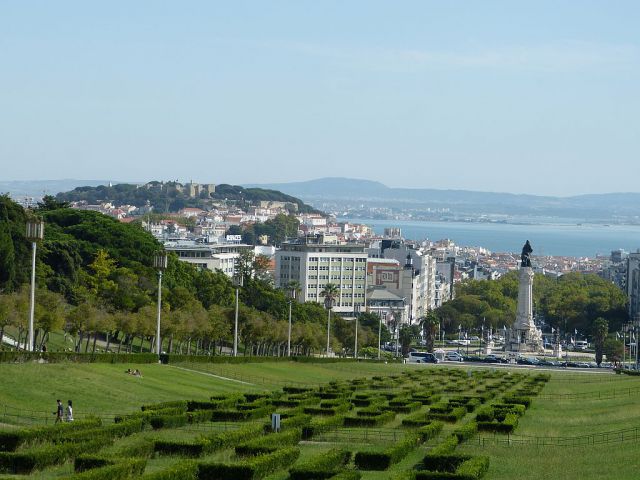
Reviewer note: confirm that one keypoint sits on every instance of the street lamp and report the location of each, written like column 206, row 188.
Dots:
column 382, row 314
column 159, row 263
column 237, row 283
column 357, row 314
column 292, row 297
column 328, row 304
column 35, row 232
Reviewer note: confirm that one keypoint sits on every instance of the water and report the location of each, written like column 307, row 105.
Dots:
column 585, row 240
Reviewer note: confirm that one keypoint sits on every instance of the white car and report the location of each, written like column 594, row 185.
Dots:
column 453, row 357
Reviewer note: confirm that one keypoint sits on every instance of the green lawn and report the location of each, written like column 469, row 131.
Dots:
column 570, row 405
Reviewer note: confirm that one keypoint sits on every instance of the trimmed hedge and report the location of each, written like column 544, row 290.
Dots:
column 59, row 357
column 180, row 404
column 269, row 443
column 382, row 460
column 466, row 431
column 453, row 415
column 372, row 421
column 131, row 467
column 254, row 469
column 320, row 467
column 168, row 421
column 11, row 440
column 240, row 415
column 184, row 449
column 430, row 431
column 228, row 439
column 349, row 475
column 39, row 458
column 319, row 425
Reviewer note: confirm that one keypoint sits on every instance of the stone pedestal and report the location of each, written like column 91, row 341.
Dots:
column 523, row 335
column 557, row 350
column 488, row 348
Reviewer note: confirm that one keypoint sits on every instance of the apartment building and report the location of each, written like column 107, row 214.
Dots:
column 209, row 256
column 315, row 261
column 633, row 285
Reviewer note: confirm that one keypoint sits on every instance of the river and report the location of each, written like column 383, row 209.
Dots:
column 586, row 240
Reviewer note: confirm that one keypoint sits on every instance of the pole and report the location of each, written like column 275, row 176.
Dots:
column 328, row 328
column 355, row 348
column 379, row 336
column 289, row 335
column 235, row 326
column 158, row 342
column 32, row 308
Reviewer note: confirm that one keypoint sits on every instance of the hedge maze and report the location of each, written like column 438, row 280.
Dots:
column 409, row 425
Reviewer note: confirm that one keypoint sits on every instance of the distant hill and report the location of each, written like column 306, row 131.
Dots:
column 171, row 196
column 596, row 206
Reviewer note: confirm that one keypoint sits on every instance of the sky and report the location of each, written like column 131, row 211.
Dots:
column 512, row 96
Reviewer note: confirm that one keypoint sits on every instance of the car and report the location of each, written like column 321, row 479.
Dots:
column 493, row 359
column 422, row 357
column 528, row 361
column 453, row 357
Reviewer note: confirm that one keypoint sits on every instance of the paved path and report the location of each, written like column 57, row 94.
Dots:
column 211, row 375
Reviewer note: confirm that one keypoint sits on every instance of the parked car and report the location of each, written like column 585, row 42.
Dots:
column 453, row 357
column 422, row 357
column 493, row 359
column 528, row 361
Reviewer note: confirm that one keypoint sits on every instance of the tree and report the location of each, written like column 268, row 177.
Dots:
column 407, row 334
column 613, row 349
column 600, row 332
column 329, row 292
column 429, row 325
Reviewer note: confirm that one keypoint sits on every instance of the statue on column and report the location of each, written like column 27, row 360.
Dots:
column 525, row 257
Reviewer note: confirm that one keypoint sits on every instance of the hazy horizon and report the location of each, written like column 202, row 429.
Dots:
column 491, row 96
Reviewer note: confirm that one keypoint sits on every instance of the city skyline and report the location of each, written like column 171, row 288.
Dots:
column 482, row 97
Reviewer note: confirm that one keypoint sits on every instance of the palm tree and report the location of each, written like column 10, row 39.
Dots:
column 429, row 324
column 329, row 292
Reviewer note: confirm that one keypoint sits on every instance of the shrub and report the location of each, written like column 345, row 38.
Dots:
column 382, row 460
column 252, row 469
column 430, row 431
column 180, row 404
column 518, row 399
column 319, row 425
column 453, row 415
column 373, row 421
column 269, row 443
column 232, row 437
column 473, row 468
column 334, row 410
column 448, row 445
column 405, row 407
column 466, row 431
column 132, row 467
column 323, row 466
column 199, row 416
column 348, row 475
column 87, row 462
column 443, row 463
column 11, row 440
column 38, row 458
column 168, row 421
column 185, row 449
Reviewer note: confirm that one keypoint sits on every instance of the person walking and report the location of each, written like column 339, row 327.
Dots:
column 59, row 411
column 69, row 413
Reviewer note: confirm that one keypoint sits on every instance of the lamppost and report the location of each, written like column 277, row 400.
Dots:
column 328, row 304
column 160, row 263
column 237, row 283
column 292, row 297
column 382, row 314
column 357, row 314
column 35, row 232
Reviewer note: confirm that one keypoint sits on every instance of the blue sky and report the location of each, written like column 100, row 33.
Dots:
column 527, row 97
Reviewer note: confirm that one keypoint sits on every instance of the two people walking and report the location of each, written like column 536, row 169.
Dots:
column 61, row 414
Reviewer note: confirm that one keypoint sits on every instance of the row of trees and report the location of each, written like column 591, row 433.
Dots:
column 97, row 285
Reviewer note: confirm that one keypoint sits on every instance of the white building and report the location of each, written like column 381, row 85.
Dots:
column 314, row 262
column 210, row 256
